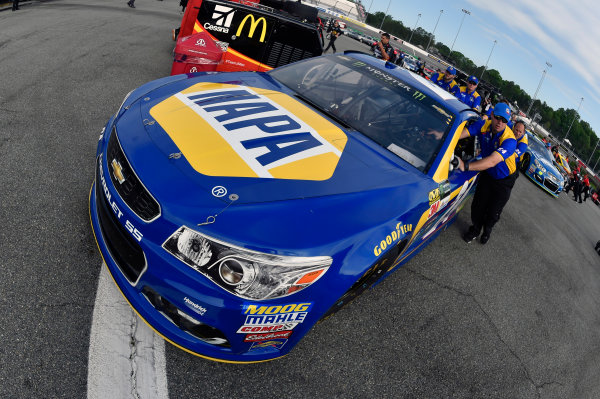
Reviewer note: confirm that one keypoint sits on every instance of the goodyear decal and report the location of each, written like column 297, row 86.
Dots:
column 263, row 318
column 401, row 231
column 238, row 131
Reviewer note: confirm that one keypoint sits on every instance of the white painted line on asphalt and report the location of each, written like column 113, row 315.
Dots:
column 126, row 358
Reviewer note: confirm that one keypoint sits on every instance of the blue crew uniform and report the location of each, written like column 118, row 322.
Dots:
column 473, row 99
column 522, row 145
column 451, row 86
column 495, row 184
column 504, row 143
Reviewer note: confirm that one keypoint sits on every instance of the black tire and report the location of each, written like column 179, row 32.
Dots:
column 524, row 165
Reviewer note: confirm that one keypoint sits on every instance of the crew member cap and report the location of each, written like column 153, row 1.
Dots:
column 503, row 110
column 451, row 70
column 474, row 79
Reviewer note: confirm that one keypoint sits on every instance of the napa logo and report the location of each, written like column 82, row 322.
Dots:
column 239, row 131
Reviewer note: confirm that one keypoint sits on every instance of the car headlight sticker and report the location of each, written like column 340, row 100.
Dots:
column 247, row 274
column 539, row 166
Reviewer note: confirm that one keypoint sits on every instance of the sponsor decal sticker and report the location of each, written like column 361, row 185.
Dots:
column 199, row 309
column 395, row 235
column 222, row 45
column 238, row 131
column 253, row 25
column 235, row 63
column 273, row 344
column 245, row 329
column 437, row 206
column 265, row 336
column 417, row 95
column 222, row 17
column 274, row 318
column 450, row 211
column 219, row 191
column 434, row 196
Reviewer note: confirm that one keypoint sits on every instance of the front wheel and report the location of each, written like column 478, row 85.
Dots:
column 524, row 165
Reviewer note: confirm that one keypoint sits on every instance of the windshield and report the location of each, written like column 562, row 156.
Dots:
column 540, row 149
column 368, row 99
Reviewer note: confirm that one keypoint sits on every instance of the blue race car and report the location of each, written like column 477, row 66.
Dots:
column 236, row 210
column 538, row 164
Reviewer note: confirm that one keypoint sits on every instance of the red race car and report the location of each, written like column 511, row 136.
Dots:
column 244, row 35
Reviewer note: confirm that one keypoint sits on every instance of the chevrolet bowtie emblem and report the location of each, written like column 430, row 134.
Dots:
column 117, row 171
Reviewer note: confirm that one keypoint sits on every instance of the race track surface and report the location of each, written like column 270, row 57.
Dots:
column 515, row 318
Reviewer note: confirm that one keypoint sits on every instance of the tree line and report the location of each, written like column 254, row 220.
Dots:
column 557, row 122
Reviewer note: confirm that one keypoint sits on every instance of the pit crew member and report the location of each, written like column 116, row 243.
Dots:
column 498, row 169
column 446, row 81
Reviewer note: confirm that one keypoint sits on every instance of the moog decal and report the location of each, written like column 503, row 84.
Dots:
column 274, row 318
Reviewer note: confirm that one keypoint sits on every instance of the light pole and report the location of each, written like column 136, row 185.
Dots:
column 574, row 117
column 434, row 28
column 385, row 15
column 488, row 60
column 413, row 31
column 588, row 162
column 538, row 88
column 460, row 26
column 369, row 11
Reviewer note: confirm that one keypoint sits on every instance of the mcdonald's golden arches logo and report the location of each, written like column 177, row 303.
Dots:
column 253, row 25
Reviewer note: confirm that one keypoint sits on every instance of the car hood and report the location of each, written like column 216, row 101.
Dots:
column 548, row 165
column 185, row 138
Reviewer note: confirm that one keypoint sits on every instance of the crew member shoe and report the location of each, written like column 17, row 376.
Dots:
column 484, row 237
column 470, row 235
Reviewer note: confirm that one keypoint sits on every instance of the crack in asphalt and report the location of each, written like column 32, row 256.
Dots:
column 133, row 354
column 494, row 327
column 67, row 304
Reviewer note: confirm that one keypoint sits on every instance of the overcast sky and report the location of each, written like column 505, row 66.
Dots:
column 529, row 33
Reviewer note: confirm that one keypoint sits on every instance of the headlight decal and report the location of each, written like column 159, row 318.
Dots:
column 244, row 273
